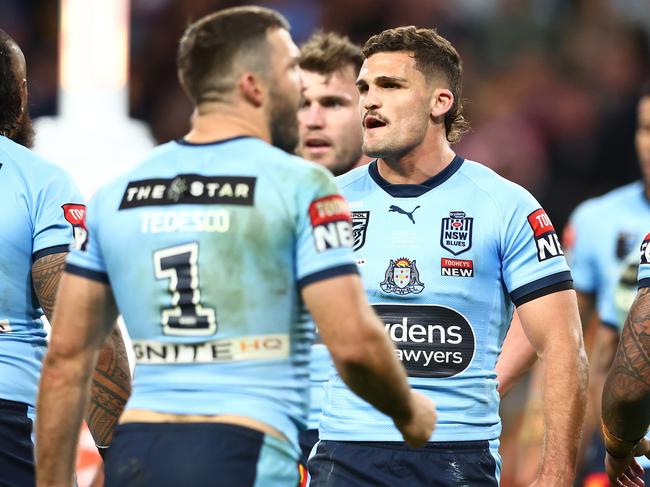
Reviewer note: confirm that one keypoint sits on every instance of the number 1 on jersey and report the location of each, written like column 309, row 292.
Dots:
column 187, row 316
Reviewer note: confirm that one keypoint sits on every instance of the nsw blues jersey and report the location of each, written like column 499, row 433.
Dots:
column 644, row 265
column 602, row 232
column 41, row 208
column 442, row 263
column 319, row 368
column 206, row 247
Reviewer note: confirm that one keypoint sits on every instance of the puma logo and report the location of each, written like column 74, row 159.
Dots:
column 397, row 209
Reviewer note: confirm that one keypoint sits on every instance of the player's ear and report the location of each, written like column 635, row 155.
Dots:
column 252, row 89
column 441, row 102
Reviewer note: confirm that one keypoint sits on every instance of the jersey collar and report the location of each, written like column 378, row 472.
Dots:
column 414, row 190
column 215, row 142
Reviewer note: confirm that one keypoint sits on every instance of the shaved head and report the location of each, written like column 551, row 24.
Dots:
column 14, row 119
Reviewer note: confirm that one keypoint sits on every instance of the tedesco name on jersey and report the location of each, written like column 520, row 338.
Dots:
column 431, row 340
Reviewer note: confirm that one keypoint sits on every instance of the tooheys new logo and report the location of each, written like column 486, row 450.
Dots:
column 75, row 214
column 548, row 245
column 645, row 250
column 431, row 341
column 330, row 218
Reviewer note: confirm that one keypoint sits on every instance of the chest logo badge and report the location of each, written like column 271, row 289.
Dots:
column 409, row 214
column 456, row 232
column 359, row 227
column 402, row 277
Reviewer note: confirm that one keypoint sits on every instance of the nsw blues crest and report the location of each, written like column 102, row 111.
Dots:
column 456, row 232
column 402, row 277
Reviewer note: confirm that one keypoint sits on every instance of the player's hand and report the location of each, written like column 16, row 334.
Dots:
column 418, row 428
column 626, row 471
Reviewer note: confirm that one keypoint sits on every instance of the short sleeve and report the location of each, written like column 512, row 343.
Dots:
column 57, row 212
column 533, row 262
column 580, row 243
column 324, row 234
column 644, row 263
column 86, row 258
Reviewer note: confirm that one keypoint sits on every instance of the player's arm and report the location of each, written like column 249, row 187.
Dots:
column 111, row 383
column 84, row 317
column 516, row 358
column 364, row 355
column 626, row 394
column 552, row 325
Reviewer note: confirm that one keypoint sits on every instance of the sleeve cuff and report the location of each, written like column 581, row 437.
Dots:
column 87, row 273
column 645, row 282
column 612, row 325
column 56, row 249
column 541, row 287
column 328, row 273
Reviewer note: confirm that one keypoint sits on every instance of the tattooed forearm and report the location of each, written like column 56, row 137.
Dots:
column 46, row 274
column 111, row 387
column 626, row 395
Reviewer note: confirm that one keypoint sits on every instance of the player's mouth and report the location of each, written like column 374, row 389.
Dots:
column 317, row 145
column 373, row 122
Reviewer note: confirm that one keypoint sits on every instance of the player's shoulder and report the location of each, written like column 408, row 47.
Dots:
column 496, row 187
column 29, row 167
column 353, row 177
column 615, row 200
column 622, row 195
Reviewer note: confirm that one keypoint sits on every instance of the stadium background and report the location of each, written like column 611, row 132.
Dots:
column 551, row 84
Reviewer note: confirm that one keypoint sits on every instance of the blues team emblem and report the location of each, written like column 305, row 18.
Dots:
column 456, row 232
column 402, row 277
column 359, row 226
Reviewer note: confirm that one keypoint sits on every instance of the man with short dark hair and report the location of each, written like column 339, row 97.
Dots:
column 447, row 248
column 209, row 249
column 42, row 212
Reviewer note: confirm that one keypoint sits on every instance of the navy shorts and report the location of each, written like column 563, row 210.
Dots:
column 198, row 454
column 16, row 447
column 390, row 464
column 307, row 440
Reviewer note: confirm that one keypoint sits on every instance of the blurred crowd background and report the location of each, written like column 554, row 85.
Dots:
column 550, row 85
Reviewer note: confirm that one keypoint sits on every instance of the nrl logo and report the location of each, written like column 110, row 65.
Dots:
column 359, row 226
column 402, row 277
column 456, row 232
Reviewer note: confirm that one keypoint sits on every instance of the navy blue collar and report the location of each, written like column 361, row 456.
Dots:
column 414, row 190
column 216, row 142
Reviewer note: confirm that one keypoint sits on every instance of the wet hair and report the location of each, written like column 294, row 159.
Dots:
column 217, row 47
column 10, row 102
column 434, row 56
column 326, row 53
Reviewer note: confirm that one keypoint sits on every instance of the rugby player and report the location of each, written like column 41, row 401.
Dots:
column 42, row 210
column 208, row 249
column 602, row 232
column 330, row 134
column 626, row 393
column 449, row 247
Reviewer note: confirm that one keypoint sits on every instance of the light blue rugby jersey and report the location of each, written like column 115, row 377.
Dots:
column 603, row 231
column 442, row 263
column 206, row 247
column 319, row 369
column 41, row 207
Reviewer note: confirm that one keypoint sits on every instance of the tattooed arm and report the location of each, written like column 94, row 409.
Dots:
column 626, row 395
column 111, row 381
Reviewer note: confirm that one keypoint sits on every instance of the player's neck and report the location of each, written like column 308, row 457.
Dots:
column 419, row 164
column 224, row 123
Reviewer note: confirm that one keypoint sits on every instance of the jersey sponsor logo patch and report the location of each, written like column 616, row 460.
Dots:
column 430, row 340
column 625, row 243
column 409, row 214
column 5, row 327
column 75, row 215
column 359, row 226
column 645, row 250
column 190, row 189
column 456, row 232
column 546, row 240
column 330, row 219
column 254, row 347
column 402, row 277
column 456, row 267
